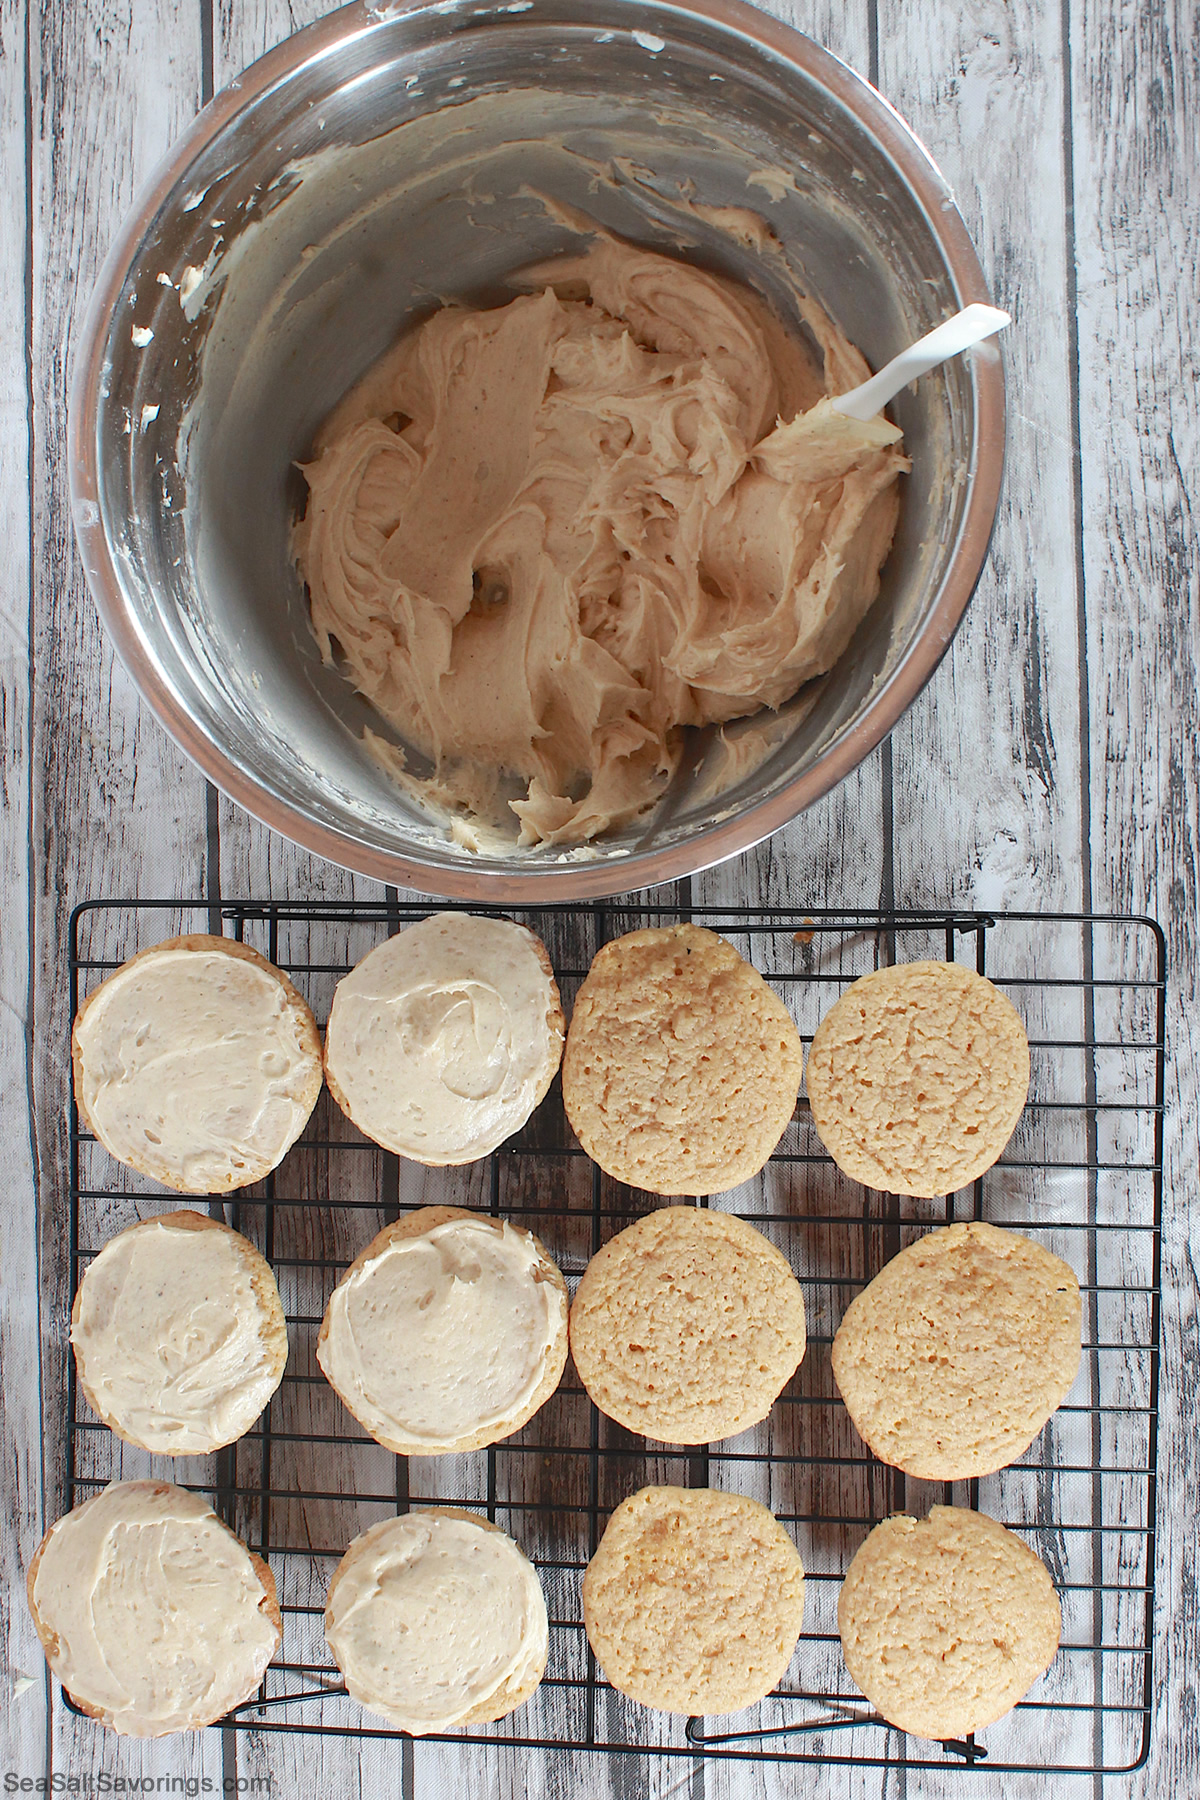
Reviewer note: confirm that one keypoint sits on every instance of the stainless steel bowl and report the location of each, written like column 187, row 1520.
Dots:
column 382, row 159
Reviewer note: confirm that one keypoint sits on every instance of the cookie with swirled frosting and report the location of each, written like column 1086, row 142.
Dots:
column 152, row 1614
column 447, row 1332
column 437, row 1619
column 444, row 1039
column 197, row 1063
column 179, row 1334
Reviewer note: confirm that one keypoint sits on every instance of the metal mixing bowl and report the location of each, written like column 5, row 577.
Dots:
column 383, row 159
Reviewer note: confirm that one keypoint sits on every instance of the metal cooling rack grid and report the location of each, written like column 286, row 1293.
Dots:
column 1083, row 1174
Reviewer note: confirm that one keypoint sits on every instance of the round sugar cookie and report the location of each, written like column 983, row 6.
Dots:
column 694, row 1600
column 958, row 1352
column 443, row 1040
column 946, row 1622
column 686, row 1326
column 436, row 1619
column 917, row 1077
column 152, row 1614
column 197, row 1063
column 682, row 1066
column 448, row 1332
column 179, row 1334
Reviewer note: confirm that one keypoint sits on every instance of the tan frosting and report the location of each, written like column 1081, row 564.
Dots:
column 431, row 1616
column 444, row 1335
column 443, row 1039
column 156, row 1608
column 191, row 1061
column 544, row 537
column 168, row 1335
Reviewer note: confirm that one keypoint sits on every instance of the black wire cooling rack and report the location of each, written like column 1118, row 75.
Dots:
column 1082, row 1175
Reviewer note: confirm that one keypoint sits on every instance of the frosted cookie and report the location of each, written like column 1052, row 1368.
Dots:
column 442, row 1040
column 946, row 1622
column 197, row 1063
column 694, row 1600
column 958, row 1352
column 682, row 1066
column 917, row 1077
column 686, row 1326
column 447, row 1332
column 179, row 1335
column 152, row 1614
column 437, row 1619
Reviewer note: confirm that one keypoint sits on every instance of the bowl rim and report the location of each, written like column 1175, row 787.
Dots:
column 633, row 870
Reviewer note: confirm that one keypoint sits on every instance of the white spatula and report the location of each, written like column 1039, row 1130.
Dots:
column 970, row 326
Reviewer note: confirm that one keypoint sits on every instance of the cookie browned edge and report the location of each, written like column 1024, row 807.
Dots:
column 266, row 1292
column 849, row 1156
column 416, row 1224
column 741, row 1167
column 555, row 1021
column 202, row 940
column 511, row 1694
column 269, row 1604
column 943, row 1465
column 732, row 1226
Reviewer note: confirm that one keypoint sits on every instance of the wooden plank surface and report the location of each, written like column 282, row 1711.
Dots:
column 116, row 808
column 1021, row 777
column 26, row 1690
column 1135, row 195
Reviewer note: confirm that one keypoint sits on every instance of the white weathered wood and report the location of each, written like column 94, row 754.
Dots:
column 1136, row 205
column 23, row 1717
column 987, row 762
column 988, row 781
column 116, row 808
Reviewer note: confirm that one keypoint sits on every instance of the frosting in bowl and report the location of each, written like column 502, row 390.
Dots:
column 543, row 538
column 178, row 1334
column 436, row 1618
column 447, row 1337
column 442, row 1040
column 154, row 1616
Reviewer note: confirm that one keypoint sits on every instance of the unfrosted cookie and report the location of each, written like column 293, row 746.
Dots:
column 954, row 1357
column 447, row 1332
column 682, row 1066
column 442, row 1040
column 437, row 1619
column 179, row 1334
column 152, row 1614
column 686, row 1326
column 917, row 1077
column 197, row 1063
column 946, row 1622
column 694, row 1600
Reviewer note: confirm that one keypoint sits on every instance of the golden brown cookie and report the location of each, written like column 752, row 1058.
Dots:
column 954, row 1357
column 682, row 1066
column 694, row 1600
column 179, row 1334
column 197, row 1063
column 686, row 1326
column 946, row 1622
column 917, row 1077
